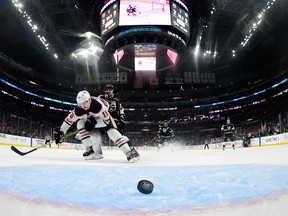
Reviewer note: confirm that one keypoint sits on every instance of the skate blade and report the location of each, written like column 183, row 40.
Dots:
column 133, row 160
column 91, row 157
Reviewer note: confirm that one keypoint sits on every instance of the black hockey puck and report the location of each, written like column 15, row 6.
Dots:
column 145, row 186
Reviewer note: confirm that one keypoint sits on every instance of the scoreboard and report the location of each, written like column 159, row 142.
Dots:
column 109, row 19
column 180, row 18
column 172, row 13
column 145, row 35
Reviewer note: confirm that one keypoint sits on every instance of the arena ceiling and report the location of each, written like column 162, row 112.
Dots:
column 225, row 26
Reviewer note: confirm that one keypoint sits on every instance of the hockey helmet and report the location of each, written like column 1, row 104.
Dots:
column 228, row 120
column 82, row 97
column 109, row 90
column 109, row 86
column 165, row 123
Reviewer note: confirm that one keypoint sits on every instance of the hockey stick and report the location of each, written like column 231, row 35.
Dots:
column 153, row 139
column 13, row 148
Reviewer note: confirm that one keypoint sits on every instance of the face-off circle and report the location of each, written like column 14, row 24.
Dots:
column 145, row 186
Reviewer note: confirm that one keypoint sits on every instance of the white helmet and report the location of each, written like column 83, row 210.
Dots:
column 82, row 96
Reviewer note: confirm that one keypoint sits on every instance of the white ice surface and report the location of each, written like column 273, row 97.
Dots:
column 247, row 181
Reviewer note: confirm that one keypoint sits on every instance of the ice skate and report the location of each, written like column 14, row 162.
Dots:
column 94, row 156
column 131, row 157
column 135, row 153
column 88, row 151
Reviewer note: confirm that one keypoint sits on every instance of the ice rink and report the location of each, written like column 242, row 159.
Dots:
column 54, row 182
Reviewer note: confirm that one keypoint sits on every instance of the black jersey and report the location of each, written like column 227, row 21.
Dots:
column 165, row 132
column 115, row 107
column 228, row 129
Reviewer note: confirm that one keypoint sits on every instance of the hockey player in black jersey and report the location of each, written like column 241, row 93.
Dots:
column 229, row 131
column 90, row 113
column 117, row 112
column 115, row 107
column 165, row 133
column 131, row 10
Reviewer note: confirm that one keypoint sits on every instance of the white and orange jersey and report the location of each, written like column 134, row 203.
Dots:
column 98, row 109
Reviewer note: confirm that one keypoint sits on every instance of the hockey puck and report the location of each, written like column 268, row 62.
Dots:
column 145, row 186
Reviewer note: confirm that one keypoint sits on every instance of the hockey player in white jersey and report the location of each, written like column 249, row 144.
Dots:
column 89, row 113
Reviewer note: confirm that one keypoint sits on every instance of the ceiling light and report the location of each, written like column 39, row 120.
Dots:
column 256, row 24
column 90, row 35
column 34, row 28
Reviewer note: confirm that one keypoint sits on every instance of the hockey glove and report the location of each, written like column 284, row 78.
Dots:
column 90, row 123
column 57, row 135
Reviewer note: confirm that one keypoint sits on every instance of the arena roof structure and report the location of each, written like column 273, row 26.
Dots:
column 231, row 41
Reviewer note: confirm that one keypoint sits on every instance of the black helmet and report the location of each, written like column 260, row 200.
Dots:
column 109, row 86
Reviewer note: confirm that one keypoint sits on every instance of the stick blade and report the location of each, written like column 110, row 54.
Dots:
column 22, row 153
column 13, row 148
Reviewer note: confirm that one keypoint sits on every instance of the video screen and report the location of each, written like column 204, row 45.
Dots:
column 180, row 19
column 183, row 1
column 109, row 19
column 144, row 12
column 145, row 63
column 172, row 55
column 145, row 50
column 118, row 55
column 145, row 57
